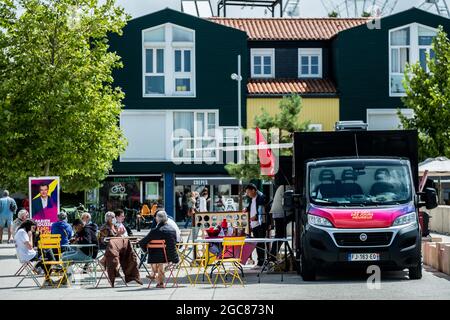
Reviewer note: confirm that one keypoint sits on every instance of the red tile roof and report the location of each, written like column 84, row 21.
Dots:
column 287, row 86
column 290, row 28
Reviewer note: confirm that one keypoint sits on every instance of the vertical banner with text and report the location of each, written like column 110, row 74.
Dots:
column 44, row 201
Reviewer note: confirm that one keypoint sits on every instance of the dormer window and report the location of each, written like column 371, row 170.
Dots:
column 309, row 63
column 262, row 63
column 168, row 61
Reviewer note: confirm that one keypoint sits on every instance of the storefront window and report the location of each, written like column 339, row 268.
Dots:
column 130, row 192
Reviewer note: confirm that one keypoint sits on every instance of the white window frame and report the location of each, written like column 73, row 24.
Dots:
column 169, row 47
column 182, row 74
column 263, row 52
column 406, row 112
column 309, row 52
column 195, row 138
column 414, row 55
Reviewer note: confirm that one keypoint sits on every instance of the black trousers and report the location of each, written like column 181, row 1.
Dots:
column 260, row 232
column 280, row 232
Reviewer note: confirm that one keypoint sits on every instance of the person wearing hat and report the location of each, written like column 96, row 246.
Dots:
column 63, row 228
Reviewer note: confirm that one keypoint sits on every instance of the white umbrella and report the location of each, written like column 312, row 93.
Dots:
column 436, row 167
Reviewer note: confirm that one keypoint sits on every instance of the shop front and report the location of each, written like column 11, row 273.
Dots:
column 224, row 193
column 129, row 192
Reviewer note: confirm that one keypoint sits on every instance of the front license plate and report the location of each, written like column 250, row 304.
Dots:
column 363, row 256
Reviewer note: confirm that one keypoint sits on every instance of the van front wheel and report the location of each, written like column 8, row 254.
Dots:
column 307, row 269
column 415, row 272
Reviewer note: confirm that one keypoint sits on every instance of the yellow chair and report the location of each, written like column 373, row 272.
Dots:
column 229, row 245
column 183, row 250
column 203, row 260
column 54, row 244
column 50, row 236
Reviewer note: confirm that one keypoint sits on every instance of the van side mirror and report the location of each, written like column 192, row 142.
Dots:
column 428, row 198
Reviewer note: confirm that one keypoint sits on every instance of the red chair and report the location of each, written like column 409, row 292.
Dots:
column 161, row 244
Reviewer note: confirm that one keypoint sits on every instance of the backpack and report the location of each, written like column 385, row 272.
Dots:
column 12, row 205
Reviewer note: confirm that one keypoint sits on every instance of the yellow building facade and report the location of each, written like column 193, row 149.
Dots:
column 319, row 111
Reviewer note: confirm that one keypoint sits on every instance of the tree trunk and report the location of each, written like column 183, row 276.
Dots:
column 47, row 168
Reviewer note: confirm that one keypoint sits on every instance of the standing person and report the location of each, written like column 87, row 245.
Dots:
column 257, row 219
column 163, row 231
column 8, row 208
column 64, row 229
column 203, row 203
column 26, row 204
column 191, row 208
column 22, row 216
column 184, row 204
column 279, row 219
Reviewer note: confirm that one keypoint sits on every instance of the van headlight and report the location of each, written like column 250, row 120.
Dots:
column 405, row 219
column 319, row 221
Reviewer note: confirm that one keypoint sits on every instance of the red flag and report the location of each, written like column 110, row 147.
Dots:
column 266, row 158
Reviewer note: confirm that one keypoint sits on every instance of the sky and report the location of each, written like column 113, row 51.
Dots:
column 308, row 8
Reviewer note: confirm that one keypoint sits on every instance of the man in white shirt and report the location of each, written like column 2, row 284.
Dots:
column 174, row 225
column 257, row 217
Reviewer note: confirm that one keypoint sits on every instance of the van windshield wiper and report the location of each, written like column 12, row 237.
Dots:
column 326, row 201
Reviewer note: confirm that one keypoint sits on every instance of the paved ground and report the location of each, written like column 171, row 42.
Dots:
column 394, row 285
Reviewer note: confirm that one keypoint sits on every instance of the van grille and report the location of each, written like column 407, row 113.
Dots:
column 353, row 239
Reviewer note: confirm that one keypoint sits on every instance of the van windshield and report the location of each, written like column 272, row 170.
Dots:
column 346, row 183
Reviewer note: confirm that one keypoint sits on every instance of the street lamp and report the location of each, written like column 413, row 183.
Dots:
column 237, row 77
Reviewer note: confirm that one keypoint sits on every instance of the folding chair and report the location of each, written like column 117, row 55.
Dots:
column 184, row 250
column 30, row 273
column 100, row 255
column 229, row 247
column 54, row 244
column 203, row 260
column 161, row 244
column 103, row 274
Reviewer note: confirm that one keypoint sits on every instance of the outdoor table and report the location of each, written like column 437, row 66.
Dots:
column 256, row 241
column 91, row 247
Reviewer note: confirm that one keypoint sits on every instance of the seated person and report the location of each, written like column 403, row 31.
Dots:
column 21, row 217
column 84, row 235
column 122, row 230
column 174, row 225
column 62, row 228
column 24, row 246
column 108, row 229
column 163, row 231
column 327, row 187
column 349, row 187
column 86, row 218
column 382, row 185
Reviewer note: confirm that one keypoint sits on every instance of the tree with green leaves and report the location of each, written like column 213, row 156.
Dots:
column 333, row 14
column 282, row 125
column 428, row 95
column 59, row 110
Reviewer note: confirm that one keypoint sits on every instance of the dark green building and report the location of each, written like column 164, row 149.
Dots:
column 181, row 105
column 369, row 63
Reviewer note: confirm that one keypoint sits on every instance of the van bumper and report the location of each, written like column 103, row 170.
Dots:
column 403, row 251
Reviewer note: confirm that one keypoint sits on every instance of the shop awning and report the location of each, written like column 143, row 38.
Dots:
column 203, row 181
